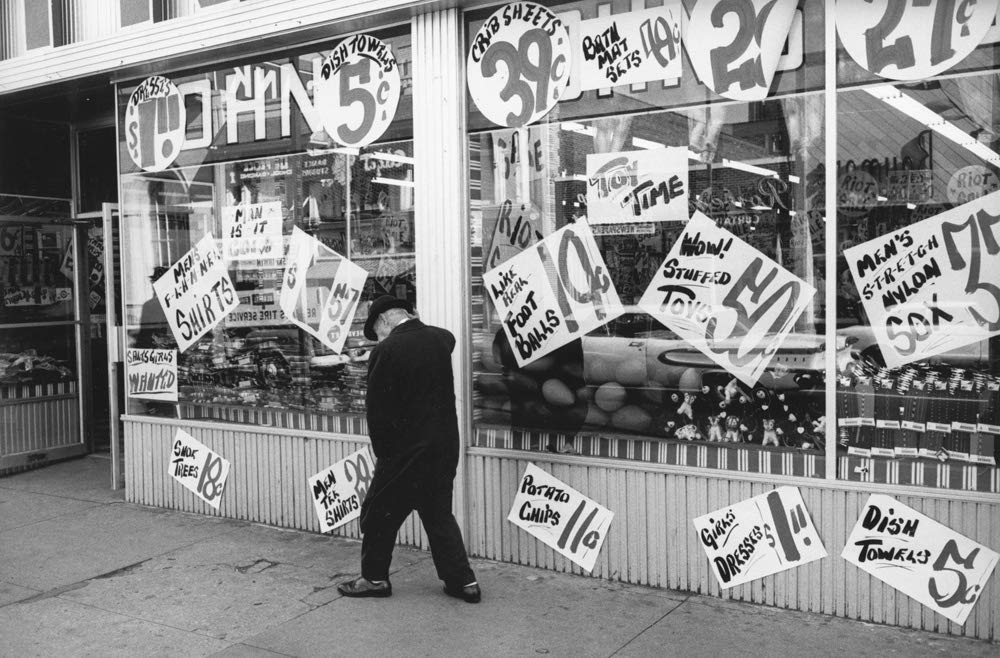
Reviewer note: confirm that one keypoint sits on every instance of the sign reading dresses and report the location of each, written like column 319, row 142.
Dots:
column 197, row 468
column 518, row 64
column 920, row 557
column 252, row 231
column 196, row 293
column 553, row 293
column 560, row 516
column 758, row 537
column 155, row 123
column 640, row 46
column 935, row 285
column 311, row 266
column 151, row 374
column 338, row 491
column 637, row 186
column 728, row 300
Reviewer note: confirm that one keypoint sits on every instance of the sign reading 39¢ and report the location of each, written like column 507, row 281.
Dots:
column 518, row 65
column 358, row 90
column 155, row 122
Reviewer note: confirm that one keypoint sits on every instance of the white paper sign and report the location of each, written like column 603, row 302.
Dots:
column 155, row 122
column 935, row 285
column 252, row 231
column 552, row 293
column 969, row 183
column 339, row 490
column 735, row 46
column 637, row 186
column 320, row 289
column 728, row 300
column 920, row 557
column 758, row 537
column 912, row 40
column 197, row 468
column 196, row 293
column 518, row 64
column 151, row 374
column 560, row 516
column 623, row 49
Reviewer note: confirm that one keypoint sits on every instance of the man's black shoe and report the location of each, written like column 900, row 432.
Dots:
column 362, row 587
column 469, row 593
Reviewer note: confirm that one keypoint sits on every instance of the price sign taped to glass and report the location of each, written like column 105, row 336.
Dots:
column 735, row 45
column 933, row 286
column 518, row 65
column 196, row 293
column 197, row 468
column 155, row 124
column 920, row 557
column 338, row 491
column 912, row 40
column 358, row 90
column 728, row 300
column 553, row 293
column 320, row 289
column 252, row 231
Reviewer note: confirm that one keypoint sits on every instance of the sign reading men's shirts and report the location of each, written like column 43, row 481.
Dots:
column 339, row 490
column 759, row 536
column 197, row 468
column 728, row 300
column 196, row 293
column 151, row 374
column 624, row 49
column 933, row 286
column 155, row 124
column 920, row 557
column 560, row 516
column 637, row 186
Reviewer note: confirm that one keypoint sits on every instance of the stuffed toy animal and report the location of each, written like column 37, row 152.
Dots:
column 715, row 423
column 770, row 433
column 734, row 433
column 689, row 433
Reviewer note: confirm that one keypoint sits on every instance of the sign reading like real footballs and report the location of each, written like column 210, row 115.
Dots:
column 560, row 516
column 623, row 49
column 339, row 490
column 758, row 537
column 920, row 557
column 197, row 468
column 155, row 121
column 553, row 293
column 637, row 186
column 518, row 64
column 727, row 299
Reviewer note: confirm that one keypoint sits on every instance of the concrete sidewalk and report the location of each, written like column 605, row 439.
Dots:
column 84, row 573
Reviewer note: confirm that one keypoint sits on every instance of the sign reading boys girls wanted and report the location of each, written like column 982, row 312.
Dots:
column 728, row 300
column 637, row 186
column 560, row 516
column 624, row 49
column 339, row 490
column 553, row 292
column 920, row 557
column 197, row 468
column 758, row 537
column 151, row 374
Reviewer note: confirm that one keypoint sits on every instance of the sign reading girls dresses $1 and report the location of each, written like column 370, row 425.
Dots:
column 920, row 557
column 197, row 468
column 338, row 491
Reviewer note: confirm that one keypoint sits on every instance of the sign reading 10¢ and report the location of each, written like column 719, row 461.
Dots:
column 518, row 64
column 154, row 124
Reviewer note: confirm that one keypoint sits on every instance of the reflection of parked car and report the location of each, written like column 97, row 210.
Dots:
column 863, row 344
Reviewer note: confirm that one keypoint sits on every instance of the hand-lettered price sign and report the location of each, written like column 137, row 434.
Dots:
column 196, row 293
column 252, row 231
column 758, row 537
column 640, row 46
column 358, row 90
column 518, row 65
column 553, row 293
column 311, row 265
column 560, row 516
column 912, row 40
column 637, row 186
column 727, row 299
column 151, row 374
column 735, row 45
column 197, row 468
column 920, row 557
column 515, row 230
column 339, row 490
column 935, row 285
column 155, row 123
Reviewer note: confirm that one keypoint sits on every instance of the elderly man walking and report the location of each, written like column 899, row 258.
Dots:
column 413, row 427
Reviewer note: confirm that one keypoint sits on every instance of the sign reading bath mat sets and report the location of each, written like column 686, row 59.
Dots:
column 560, row 516
column 637, row 186
column 518, row 64
column 553, row 293
column 151, row 374
column 728, row 300
column 935, row 285
column 758, row 537
column 319, row 279
column 200, row 470
column 640, row 46
column 338, row 491
column 196, row 293
column 155, row 123
column 920, row 557
column 252, row 231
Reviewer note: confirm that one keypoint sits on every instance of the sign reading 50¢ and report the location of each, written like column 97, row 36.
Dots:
column 155, row 121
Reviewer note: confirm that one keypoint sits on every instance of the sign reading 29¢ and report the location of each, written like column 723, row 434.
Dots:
column 518, row 65
column 155, row 121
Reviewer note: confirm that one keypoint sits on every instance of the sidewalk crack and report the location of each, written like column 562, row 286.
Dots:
column 651, row 625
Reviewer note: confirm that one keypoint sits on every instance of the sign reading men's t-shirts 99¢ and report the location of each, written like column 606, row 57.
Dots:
column 155, row 122
column 518, row 65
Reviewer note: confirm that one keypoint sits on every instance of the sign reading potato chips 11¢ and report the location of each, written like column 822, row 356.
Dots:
column 339, row 490
column 197, row 468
